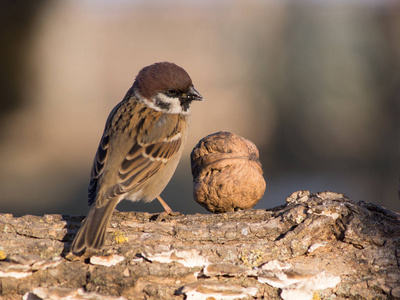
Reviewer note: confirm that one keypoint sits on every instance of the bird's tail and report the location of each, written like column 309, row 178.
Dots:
column 92, row 233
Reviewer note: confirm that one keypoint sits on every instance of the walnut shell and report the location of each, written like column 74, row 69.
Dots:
column 227, row 173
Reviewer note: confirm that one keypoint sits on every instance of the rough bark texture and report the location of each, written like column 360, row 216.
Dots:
column 320, row 246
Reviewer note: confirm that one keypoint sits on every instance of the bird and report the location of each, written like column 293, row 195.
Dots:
column 140, row 148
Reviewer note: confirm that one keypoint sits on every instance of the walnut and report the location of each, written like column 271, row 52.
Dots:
column 227, row 173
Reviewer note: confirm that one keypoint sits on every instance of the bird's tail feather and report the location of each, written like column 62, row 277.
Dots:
column 92, row 233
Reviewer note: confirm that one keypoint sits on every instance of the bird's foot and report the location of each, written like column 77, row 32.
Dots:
column 164, row 215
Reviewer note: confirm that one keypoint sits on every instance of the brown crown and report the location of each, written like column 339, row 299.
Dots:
column 161, row 77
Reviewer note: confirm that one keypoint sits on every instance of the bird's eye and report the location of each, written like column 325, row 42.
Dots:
column 172, row 92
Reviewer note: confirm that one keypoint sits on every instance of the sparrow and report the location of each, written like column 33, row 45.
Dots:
column 140, row 148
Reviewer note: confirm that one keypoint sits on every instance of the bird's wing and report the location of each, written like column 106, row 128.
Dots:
column 101, row 156
column 157, row 141
column 155, row 138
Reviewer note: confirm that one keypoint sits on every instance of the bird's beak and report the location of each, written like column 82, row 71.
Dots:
column 194, row 95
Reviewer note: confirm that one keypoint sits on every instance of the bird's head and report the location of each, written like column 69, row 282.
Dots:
column 166, row 87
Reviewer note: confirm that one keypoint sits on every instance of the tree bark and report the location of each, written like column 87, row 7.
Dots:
column 317, row 246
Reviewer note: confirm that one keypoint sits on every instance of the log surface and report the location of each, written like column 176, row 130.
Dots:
column 317, row 246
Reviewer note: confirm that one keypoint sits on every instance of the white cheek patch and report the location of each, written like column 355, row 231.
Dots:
column 161, row 102
column 172, row 105
column 150, row 104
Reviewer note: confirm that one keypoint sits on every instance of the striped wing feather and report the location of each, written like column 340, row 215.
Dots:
column 142, row 162
column 152, row 148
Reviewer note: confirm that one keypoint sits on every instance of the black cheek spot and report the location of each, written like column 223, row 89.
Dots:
column 163, row 105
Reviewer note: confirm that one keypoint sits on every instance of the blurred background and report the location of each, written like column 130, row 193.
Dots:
column 314, row 84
